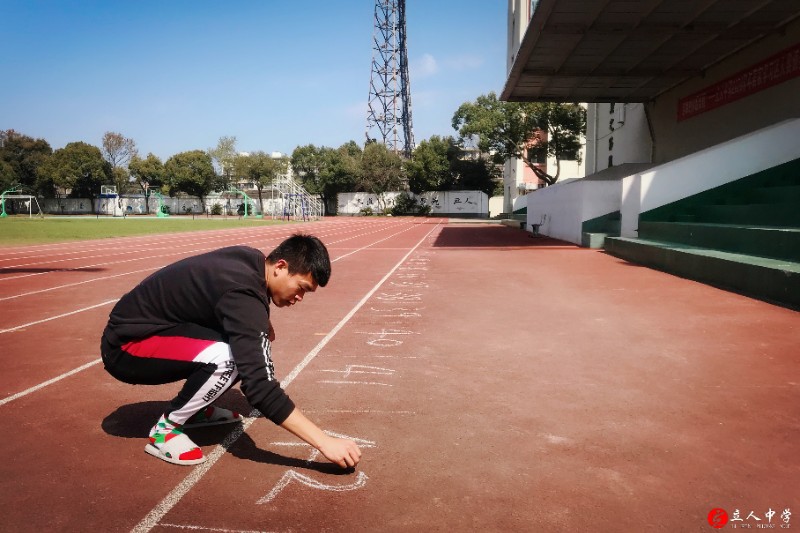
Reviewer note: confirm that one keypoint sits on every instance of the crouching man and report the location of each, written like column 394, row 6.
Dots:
column 205, row 320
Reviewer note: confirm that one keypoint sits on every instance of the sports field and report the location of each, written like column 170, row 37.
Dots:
column 23, row 230
column 494, row 381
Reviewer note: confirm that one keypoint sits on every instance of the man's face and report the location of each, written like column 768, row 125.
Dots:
column 288, row 289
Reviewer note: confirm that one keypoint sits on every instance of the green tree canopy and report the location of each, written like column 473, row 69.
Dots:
column 513, row 130
column 327, row 171
column 262, row 169
column 191, row 172
column 225, row 154
column 441, row 164
column 21, row 159
column 429, row 168
column 381, row 171
column 147, row 173
column 78, row 169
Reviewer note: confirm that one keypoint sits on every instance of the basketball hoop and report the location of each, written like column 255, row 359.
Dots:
column 108, row 191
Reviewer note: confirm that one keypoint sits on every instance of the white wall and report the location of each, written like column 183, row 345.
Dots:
column 452, row 203
column 135, row 205
column 632, row 142
column 561, row 209
column 495, row 206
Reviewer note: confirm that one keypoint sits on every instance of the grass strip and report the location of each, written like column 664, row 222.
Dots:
column 15, row 231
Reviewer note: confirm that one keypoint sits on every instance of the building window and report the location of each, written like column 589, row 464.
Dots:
column 611, row 108
column 610, row 143
column 610, row 161
column 611, row 124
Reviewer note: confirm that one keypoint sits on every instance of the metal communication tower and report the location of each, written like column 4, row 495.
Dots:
column 389, row 112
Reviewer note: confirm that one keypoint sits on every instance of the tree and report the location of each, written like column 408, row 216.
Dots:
column 476, row 175
column 262, row 169
column 190, row 172
column 327, row 171
column 430, row 167
column 225, row 155
column 381, row 171
column 21, row 160
column 524, row 130
column 148, row 173
column 441, row 164
column 78, row 170
column 118, row 150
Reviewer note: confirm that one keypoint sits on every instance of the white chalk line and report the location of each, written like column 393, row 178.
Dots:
column 15, row 328
column 203, row 528
column 171, row 500
column 361, row 411
column 48, row 382
column 292, row 475
column 342, row 382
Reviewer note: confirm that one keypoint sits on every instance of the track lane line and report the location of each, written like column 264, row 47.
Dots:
column 15, row 328
column 48, row 382
column 171, row 500
column 83, row 367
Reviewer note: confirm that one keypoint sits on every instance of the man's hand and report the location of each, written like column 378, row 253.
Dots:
column 343, row 452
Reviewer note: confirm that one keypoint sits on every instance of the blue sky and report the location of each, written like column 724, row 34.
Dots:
column 177, row 75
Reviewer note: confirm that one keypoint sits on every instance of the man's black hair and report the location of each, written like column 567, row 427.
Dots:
column 305, row 254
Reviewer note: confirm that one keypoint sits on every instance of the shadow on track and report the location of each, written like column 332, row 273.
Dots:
column 43, row 270
column 496, row 238
column 133, row 421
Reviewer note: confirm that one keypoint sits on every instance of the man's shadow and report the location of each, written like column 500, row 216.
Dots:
column 133, row 421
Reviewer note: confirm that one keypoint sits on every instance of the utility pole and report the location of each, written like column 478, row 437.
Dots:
column 389, row 104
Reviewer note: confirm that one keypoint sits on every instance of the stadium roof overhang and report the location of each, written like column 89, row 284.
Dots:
column 632, row 50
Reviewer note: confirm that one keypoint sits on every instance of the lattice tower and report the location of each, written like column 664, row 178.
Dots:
column 389, row 104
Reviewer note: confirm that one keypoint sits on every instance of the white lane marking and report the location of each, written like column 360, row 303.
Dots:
column 171, row 500
column 48, row 382
column 15, row 328
column 77, row 283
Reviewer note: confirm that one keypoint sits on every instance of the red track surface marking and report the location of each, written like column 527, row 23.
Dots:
column 526, row 385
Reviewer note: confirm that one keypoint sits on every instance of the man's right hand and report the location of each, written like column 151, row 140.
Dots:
column 343, row 452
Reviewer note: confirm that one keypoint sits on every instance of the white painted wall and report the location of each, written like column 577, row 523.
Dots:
column 626, row 126
column 453, row 203
column 561, row 209
column 495, row 206
column 707, row 169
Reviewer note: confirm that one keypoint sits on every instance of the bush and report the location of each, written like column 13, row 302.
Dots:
column 366, row 212
column 405, row 205
column 216, row 209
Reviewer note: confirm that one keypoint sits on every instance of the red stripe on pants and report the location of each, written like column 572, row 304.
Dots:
column 174, row 348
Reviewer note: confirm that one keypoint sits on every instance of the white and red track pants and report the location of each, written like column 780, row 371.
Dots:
column 196, row 354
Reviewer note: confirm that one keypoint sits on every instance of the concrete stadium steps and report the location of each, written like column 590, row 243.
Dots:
column 763, row 241
column 765, row 278
column 780, row 214
column 743, row 236
column 595, row 231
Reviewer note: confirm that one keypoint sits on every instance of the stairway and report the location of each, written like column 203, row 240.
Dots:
column 742, row 236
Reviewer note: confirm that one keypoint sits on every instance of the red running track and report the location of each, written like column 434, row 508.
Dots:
column 495, row 382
